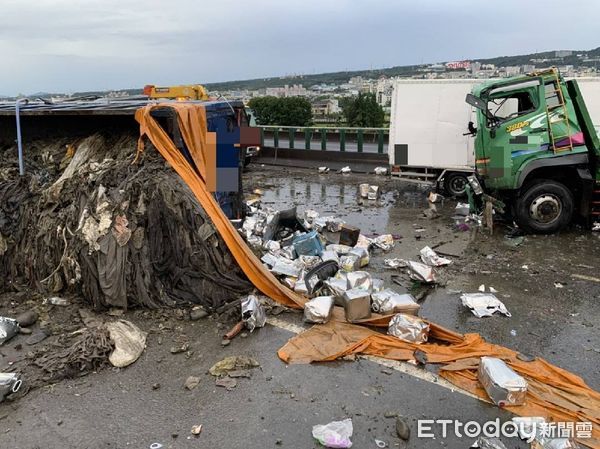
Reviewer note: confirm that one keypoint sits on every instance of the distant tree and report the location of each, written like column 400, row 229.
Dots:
column 286, row 111
column 362, row 110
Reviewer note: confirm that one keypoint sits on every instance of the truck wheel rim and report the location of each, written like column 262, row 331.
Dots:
column 545, row 208
column 457, row 184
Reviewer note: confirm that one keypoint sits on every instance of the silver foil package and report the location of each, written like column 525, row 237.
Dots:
column 9, row 383
column 253, row 313
column 8, row 329
column 360, row 279
column 318, row 310
column 502, row 384
column 363, row 255
column 357, row 304
column 388, row 301
column 409, row 328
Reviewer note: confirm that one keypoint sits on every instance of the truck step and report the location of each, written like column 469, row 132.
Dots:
column 413, row 174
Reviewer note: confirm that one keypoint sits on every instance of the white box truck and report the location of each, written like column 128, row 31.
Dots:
column 428, row 129
column 427, row 125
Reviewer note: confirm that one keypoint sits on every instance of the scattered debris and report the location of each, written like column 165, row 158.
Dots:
column 345, row 170
column 191, row 382
column 197, row 430
column 129, row 342
column 429, row 257
column 384, row 242
column 8, row 329
column 402, row 428
column 380, row 170
column 57, row 301
column 253, row 313
column 395, row 263
column 502, row 384
column 388, row 301
column 336, row 434
column 179, row 349
column 323, row 169
column 233, row 363
column 226, row 382
column 9, row 383
column 37, row 337
column 409, row 328
column 235, row 330
column 198, row 313
column 421, row 272
column 357, row 304
column 380, row 443
column 483, row 304
column 489, row 443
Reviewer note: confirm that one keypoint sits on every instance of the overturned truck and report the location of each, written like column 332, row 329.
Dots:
column 92, row 215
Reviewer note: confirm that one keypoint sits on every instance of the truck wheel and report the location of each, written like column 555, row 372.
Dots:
column 545, row 207
column 455, row 183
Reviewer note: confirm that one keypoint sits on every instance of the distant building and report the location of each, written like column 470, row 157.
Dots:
column 296, row 90
column 327, row 107
column 562, row 53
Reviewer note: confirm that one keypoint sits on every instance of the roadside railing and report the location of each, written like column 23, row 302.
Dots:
column 325, row 138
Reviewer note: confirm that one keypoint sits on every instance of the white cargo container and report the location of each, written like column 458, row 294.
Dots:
column 427, row 125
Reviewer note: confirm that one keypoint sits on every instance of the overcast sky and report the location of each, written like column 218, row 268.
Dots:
column 75, row 45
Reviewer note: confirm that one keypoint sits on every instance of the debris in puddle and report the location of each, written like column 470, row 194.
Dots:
column 483, row 304
column 233, row 363
column 345, row 170
column 429, row 257
column 421, row 272
column 380, row 170
column 408, row 328
column 384, row 242
column 503, row 386
column 323, row 169
column 335, row 434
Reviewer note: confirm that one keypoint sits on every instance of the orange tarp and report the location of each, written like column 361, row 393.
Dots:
column 555, row 393
column 192, row 123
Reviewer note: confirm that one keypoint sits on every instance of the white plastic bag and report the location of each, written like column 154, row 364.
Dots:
column 336, row 434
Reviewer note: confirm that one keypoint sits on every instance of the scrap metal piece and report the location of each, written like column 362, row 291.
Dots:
column 378, row 285
column 502, row 384
column 253, row 313
column 388, row 301
column 9, row 383
column 409, row 328
column 318, row 310
column 8, row 329
column 484, row 304
column 431, row 258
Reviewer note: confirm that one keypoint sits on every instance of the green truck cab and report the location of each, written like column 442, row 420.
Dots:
column 536, row 149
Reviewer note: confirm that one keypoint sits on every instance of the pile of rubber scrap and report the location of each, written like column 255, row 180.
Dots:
column 85, row 220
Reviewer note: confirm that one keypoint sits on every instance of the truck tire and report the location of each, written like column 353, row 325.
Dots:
column 455, row 183
column 544, row 207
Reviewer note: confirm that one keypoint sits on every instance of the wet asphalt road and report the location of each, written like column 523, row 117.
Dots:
column 278, row 406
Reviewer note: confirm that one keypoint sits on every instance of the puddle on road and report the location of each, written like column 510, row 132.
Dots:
column 340, row 197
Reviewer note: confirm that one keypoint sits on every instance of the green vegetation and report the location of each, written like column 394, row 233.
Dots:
column 287, row 111
column 362, row 111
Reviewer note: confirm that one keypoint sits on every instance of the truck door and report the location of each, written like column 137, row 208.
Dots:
column 516, row 129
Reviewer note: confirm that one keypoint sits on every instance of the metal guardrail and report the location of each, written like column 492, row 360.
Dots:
column 308, row 132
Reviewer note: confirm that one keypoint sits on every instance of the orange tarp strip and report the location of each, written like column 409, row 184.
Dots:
column 554, row 393
column 192, row 123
